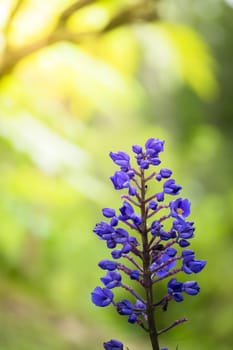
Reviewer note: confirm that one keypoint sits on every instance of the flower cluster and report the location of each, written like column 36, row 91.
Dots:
column 148, row 238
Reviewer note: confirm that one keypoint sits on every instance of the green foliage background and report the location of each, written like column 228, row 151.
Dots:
column 62, row 109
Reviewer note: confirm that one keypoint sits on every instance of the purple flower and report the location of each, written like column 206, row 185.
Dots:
column 160, row 196
column 124, row 307
column 132, row 318
column 133, row 241
column 122, row 159
column 114, row 221
column 163, row 174
column 153, row 205
column 188, row 254
column 155, row 160
column 174, row 286
column 164, row 259
column 191, row 287
column 132, row 191
column 184, row 228
column 102, row 296
column 134, row 275
column 154, row 147
column 126, row 248
column 111, row 243
column 175, row 289
column 170, row 187
column 120, row 180
column 164, row 235
column 112, row 279
column 140, row 306
column 183, row 243
column 104, row 230
column 180, row 207
column 150, row 156
column 171, row 251
column 108, row 265
column 143, row 163
column 137, row 149
column 139, row 309
column 126, row 211
column 120, row 235
column 193, row 266
column 137, row 220
column 113, row 344
column 116, row 254
column 156, row 228
column 108, row 212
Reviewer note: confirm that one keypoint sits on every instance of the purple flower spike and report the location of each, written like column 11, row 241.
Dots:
column 148, row 238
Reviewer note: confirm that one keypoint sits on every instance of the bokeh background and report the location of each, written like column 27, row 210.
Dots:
column 81, row 78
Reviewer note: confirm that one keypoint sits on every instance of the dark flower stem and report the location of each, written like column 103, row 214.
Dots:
column 131, row 225
column 132, row 291
column 153, row 239
column 146, row 267
column 150, row 176
column 124, row 196
column 132, row 261
column 136, row 182
column 141, row 324
column 150, row 198
column 164, row 218
column 176, row 323
column 169, row 274
column 165, row 264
